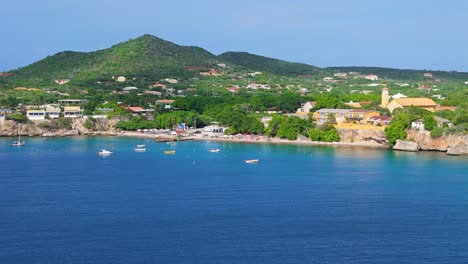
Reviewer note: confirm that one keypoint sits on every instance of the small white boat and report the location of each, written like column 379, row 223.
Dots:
column 215, row 150
column 18, row 143
column 141, row 146
column 252, row 161
column 140, row 149
column 104, row 152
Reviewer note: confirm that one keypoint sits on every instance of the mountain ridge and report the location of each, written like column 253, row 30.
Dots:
column 151, row 58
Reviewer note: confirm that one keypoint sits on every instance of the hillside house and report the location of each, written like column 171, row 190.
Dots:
column 441, row 122
column 73, row 102
column 36, row 114
column 5, row 111
column 211, row 72
column 52, row 110
column 138, row 110
column 418, row 125
column 360, row 116
column 379, row 120
column 321, row 116
column 306, row 107
column 167, row 103
column 158, row 85
column 72, row 111
column 353, row 104
column 169, row 80
column 233, row 90
column 372, row 77
column 341, row 74
column 61, row 81
column 157, row 93
column 256, row 86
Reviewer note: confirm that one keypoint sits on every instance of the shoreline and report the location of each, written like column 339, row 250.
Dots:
column 246, row 140
column 229, row 139
column 240, row 139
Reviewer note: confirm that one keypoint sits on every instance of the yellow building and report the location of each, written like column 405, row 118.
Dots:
column 424, row 103
column 360, row 116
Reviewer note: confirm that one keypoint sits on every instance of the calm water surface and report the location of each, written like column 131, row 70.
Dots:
column 62, row 203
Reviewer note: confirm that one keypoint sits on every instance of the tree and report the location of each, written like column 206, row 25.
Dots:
column 429, row 122
column 394, row 131
column 18, row 118
column 274, row 125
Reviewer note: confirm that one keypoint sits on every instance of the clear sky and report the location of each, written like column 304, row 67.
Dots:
column 410, row 34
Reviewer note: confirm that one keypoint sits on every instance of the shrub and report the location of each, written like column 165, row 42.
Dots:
column 437, row 132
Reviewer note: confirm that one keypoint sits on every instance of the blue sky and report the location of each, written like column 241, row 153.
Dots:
column 410, row 34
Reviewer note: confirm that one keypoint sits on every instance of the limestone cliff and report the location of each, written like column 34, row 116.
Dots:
column 359, row 136
column 443, row 143
column 10, row 128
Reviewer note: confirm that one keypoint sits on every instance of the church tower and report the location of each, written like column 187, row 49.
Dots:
column 385, row 97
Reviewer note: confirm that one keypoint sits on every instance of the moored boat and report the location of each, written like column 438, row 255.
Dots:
column 104, row 152
column 169, row 152
column 215, row 150
column 252, row 161
column 18, row 143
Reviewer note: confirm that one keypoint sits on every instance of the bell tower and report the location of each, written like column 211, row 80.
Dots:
column 385, row 97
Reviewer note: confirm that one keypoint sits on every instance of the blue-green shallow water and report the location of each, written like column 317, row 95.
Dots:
column 62, row 203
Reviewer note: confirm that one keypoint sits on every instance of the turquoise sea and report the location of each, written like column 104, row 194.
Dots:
column 60, row 202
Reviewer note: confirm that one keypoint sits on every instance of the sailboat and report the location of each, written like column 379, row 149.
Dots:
column 18, row 143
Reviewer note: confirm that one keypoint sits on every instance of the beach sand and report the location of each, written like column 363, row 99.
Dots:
column 248, row 139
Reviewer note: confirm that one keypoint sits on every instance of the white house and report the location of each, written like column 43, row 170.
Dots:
column 418, row 125
column 36, row 114
column 306, row 107
column 372, row 77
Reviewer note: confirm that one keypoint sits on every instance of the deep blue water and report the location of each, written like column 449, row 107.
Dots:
column 62, row 203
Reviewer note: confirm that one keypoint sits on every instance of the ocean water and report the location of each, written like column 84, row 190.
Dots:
column 60, row 202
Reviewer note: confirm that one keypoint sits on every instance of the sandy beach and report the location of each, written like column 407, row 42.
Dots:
column 247, row 139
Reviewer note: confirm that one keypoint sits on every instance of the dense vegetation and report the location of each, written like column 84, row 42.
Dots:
column 147, row 58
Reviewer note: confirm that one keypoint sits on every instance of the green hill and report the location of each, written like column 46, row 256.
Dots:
column 265, row 64
column 144, row 57
column 149, row 59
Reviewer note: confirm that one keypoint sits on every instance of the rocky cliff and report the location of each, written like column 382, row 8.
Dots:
column 358, row 136
column 457, row 143
column 46, row 128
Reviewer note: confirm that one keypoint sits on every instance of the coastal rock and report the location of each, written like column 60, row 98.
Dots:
column 46, row 128
column 406, row 146
column 453, row 142
column 458, row 150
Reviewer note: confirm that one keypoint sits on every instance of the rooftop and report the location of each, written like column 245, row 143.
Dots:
column 422, row 101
